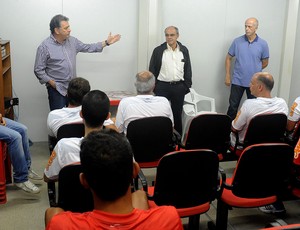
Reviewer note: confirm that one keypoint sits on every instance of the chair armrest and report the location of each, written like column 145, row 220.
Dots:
column 176, row 137
column 224, row 184
column 221, row 180
column 52, row 141
column 237, row 141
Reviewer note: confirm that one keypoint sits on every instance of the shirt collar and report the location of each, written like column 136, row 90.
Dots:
column 255, row 40
column 55, row 40
column 145, row 95
column 176, row 49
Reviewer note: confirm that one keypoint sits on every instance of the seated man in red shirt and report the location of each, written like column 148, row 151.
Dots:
column 108, row 169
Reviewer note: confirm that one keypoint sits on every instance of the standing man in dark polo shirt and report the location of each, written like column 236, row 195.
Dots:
column 170, row 64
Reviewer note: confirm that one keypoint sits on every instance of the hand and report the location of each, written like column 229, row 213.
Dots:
column 2, row 121
column 52, row 83
column 227, row 80
column 111, row 39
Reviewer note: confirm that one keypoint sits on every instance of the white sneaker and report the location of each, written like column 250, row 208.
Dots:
column 33, row 175
column 272, row 208
column 28, row 186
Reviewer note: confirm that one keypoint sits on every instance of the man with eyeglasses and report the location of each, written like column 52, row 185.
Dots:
column 170, row 63
column 55, row 63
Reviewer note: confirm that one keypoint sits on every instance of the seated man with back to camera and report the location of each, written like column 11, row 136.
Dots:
column 94, row 111
column 15, row 135
column 77, row 88
column 108, row 170
column 293, row 118
column 261, row 86
column 145, row 104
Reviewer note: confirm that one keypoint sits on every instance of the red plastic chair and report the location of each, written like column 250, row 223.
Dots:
column 150, row 139
column 263, row 128
column 187, row 180
column 65, row 131
column 261, row 175
column 3, row 157
column 209, row 131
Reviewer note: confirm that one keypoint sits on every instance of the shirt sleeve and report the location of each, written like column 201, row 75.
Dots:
column 108, row 122
column 41, row 64
column 265, row 53
column 53, row 167
column 120, row 118
column 241, row 118
column 297, row 154
column 50, row 125
column 294, row 114
column 88, row 48
column 231, row 50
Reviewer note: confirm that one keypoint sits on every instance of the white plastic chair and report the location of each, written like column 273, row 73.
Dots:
column 195, row 104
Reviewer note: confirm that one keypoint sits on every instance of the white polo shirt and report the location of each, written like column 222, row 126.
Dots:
column 140, row 106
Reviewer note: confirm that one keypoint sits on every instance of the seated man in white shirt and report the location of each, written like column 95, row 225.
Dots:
column 78, row 87
column 293, row 118
column 261, row 86
column 145, row 104
column 94, row 111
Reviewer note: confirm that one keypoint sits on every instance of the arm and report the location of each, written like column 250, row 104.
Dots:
column 188, row 70
column 46, row 179
column 40, row 66
column 109, row 123
column 265, row 63
column 290, row 125
column 119, row 121
column 155, row 61
column 111, row 126
column 2, row 121
column 227, row 69
column 152, row 65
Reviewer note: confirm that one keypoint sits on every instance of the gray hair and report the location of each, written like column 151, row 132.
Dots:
column 145, row 82
column 55, row 22
column 174, row 27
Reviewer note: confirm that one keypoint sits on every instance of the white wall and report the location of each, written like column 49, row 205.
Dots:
column 206, row 27
column 26, row 25
column 294, row 90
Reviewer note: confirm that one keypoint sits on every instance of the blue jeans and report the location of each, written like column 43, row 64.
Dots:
column 56, row 100
column 15, row 135
column 236, row 94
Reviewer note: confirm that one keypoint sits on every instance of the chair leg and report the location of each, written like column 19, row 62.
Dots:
column 194, row 222
column 222, row 215
column 52, row 194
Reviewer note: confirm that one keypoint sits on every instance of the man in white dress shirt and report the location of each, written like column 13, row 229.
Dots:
column 170, row 63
